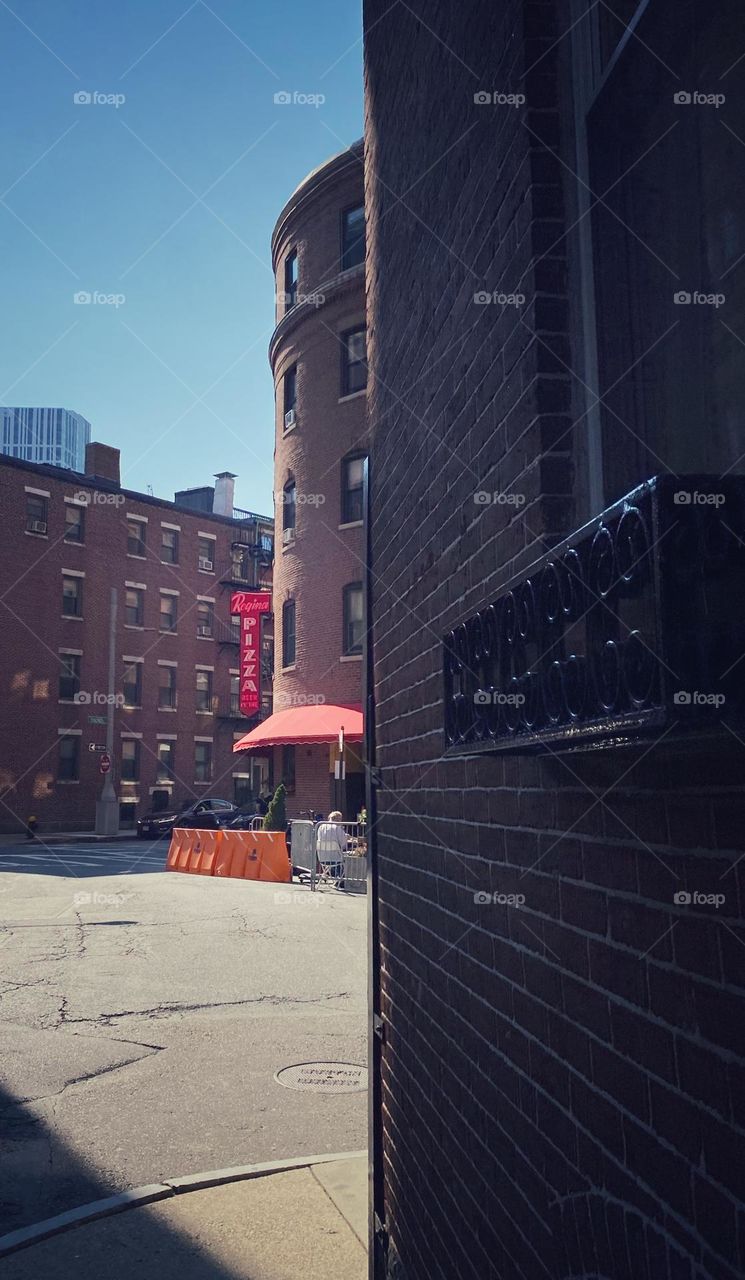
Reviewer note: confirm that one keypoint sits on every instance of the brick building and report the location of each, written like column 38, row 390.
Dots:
column 553, row 227
column 68, row 538
column 318, row 359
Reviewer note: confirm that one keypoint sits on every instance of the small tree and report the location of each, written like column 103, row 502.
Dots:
column 276, row 815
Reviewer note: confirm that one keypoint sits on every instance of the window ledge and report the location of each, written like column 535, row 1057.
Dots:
column 30, row 534
column 173, row 709
column 69, row 542
column 68, row 782
column 209, row 573
column 287, row 546
column 291, row 667
column 353, row 395
column 352, row 524
column 208, row 638
column 72, row 617
column 287, row 431
column 204, row 713
column 133, row 626
column 133, row 555
column 351, row 657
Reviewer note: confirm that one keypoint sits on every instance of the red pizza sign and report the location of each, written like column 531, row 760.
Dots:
column 250, row 605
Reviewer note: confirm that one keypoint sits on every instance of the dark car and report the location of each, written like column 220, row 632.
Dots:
column 245, row 820
column 208, row 813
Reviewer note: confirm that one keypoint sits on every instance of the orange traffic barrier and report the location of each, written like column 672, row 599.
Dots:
column 241, row 855
column 254, row 855
column 204, row 852
column 274, row 864
column 178, row 850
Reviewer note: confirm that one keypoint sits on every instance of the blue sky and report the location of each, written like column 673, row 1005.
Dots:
column 96, row 198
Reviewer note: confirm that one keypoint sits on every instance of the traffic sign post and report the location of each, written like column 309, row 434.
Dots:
column 104, row 763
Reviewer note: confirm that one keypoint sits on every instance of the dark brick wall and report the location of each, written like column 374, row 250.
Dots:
column 563, row 1079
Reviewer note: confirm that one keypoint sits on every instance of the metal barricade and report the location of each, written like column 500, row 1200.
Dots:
column 348, row 873
column 355, row 858
column 303, row 847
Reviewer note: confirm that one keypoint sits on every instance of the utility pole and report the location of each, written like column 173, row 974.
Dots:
column 107, row 806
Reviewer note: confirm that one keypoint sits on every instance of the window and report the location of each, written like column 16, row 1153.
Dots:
column 165, row 764
column 288, row 633
column 167, row 688
column 291, row 279
column 235, row 628
column 288, row 767
column 74, row 522
column 69, row 676
column 235, row 695
column 242, row 794
column 136, row 537
column 130, row 760
column 240, row 563
column 206, row 547
column 204, row 690
column 168, row 612
column 667, row 234
column 205, row 618
column 289, row 511
column 36, row 513
column 352, row 489
column 353, row 618
column 202, row 761
column 352, row 237
column 72, row 597
column 169, row 546
column 68, row 767
column 134, row 606
column 353, row 361
column 289, row 396
column 132, row 685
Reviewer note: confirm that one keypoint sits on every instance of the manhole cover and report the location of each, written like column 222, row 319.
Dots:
column 324, row 1077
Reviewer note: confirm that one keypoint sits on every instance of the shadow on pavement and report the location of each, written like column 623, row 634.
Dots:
column 40, row 1177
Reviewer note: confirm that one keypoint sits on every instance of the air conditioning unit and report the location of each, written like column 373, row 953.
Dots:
column 204, row 631
column 38, row 526
column 288, row 535
column 289, row 419
column 204, row 563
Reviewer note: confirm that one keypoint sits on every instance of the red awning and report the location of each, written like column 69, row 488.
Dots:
column 319, row 723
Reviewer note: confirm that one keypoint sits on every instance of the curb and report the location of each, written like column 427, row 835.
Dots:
column 139, row 1196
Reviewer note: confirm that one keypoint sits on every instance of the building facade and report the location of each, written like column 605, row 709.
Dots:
column 319, row 363
column 68, row 539
column 555, row 315
column 56, row 436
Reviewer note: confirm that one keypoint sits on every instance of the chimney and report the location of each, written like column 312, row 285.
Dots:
column 224, row 493
column 102, row 462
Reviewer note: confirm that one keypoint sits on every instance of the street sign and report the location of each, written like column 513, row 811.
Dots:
column 96, row 719
column 104, row 763
column 95, row 746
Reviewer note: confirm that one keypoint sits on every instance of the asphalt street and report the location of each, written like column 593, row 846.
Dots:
column 143, row 1015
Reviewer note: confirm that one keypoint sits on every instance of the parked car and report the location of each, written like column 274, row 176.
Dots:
column 245, row 820
column 207, row 813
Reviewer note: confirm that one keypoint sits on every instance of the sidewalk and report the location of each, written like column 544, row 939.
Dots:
column 63, row 837
column 307, row 1222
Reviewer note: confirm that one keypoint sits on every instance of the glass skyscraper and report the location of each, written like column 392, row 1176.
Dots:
column 57, row 436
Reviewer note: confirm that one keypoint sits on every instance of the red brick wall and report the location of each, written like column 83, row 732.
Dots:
column 324, row 557
column 34, row 630
column 562, row 1081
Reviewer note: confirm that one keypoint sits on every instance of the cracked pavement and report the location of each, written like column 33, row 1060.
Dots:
column 143, row 1015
